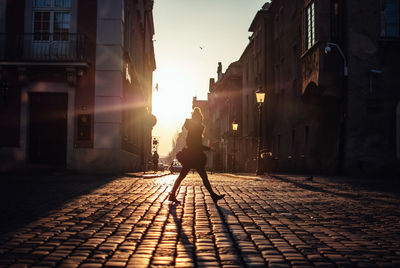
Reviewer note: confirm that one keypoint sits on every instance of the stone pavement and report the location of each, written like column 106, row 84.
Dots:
column 262, row 222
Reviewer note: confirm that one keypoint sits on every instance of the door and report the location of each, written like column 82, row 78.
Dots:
column 398, row 130
column 48, row 128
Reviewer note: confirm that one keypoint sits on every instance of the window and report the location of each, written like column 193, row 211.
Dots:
column 41, row 26
column 310, row 25
column 247, row 112
column 398, row 129
column 129, row 35
column 276, row 27
column 273, row 145
column 247, row 71
column 294, row 62
column 277, row 76
column 51, row 19
column 279, row 146
column 390, row 18
column 293, row 142
column 335, row 20
column 306, row 134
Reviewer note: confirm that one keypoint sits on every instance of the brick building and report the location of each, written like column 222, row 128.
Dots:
column 207, row 135
column 223, row 107
column 331, row 86
column 76, row 84
column 254, row 73
column 329, row 70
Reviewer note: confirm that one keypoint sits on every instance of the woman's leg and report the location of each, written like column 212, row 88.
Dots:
column 178, row 180
column 203, row 174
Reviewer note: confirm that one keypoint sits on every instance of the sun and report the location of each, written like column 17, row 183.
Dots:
column 173, row 100
column 172, row 103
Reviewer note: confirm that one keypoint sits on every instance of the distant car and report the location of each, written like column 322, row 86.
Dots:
column 161, row 167
column 175, row 166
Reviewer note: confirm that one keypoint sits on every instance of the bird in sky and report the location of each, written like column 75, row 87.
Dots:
column 201, row 47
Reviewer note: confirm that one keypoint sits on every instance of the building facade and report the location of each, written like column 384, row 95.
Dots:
column 76, row 84
column 332, row 99
column 207, row 135
column 224, row 107
column 302, row 106
column 254, row 62
column 332, row 105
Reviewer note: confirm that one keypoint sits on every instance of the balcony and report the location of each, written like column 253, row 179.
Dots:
column 321, row 73
column 62, row 49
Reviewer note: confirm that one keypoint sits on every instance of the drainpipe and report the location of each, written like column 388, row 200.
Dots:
column 343, row 120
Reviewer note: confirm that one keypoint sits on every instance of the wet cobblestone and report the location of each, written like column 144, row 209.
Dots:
column 266, row 222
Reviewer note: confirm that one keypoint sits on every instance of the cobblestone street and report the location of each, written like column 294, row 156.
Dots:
column 278, row 221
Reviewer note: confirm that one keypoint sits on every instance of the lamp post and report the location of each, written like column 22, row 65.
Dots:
column 260, row 96
column 328, row 49
column 234, row 129
column 343, row 118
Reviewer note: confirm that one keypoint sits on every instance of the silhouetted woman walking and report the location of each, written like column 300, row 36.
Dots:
column 193, row 155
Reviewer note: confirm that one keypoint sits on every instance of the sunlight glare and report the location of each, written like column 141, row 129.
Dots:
column 172, row 103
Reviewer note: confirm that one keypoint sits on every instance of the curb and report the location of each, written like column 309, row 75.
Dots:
column 247, row 177
column 146, row 176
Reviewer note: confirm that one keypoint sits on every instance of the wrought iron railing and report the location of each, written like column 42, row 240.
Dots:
column 44, row 47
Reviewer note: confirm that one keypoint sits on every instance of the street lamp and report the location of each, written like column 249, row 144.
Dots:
column 260, row 96
column 328, row 49
column 235, row 127
column 342, row 133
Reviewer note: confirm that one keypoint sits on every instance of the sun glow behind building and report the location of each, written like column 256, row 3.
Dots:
column 191, row 37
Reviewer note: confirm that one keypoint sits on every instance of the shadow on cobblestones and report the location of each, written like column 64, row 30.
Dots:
column 259, row 223
column 315, row 188
column 182, row 237
column 26, row 197
column 319, row 187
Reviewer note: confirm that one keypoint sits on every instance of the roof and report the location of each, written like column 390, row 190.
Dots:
column 260, row 14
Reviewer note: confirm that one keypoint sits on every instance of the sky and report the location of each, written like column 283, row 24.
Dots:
column 191, row 37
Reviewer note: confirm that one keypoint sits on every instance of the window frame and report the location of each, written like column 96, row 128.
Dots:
column 310, row 37
column 43, row 34
column 383, row 28
column 53, row 10
column 29, row 15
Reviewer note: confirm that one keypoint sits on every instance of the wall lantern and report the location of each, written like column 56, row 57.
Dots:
column 260, row 96
column 235, row 126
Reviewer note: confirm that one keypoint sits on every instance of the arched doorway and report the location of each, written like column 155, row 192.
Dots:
column 319, row 131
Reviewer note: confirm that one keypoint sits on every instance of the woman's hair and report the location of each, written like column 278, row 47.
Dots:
column 196, row 114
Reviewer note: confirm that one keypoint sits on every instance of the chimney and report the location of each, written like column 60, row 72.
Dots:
column 211, row 86
column 219, row 70
column 194, row 102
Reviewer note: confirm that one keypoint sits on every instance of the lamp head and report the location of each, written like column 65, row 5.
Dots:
column 328, row 49
column 235, row 126
column 260, row 96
